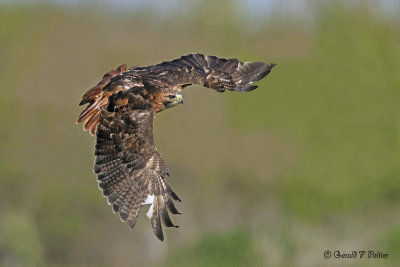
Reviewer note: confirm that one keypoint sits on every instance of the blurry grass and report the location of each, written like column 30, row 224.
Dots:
column 20, row 243
column 312, row 156
column 391, row 242
column 235, row 248
column 341, row 107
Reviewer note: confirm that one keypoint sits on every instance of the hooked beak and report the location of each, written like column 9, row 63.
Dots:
column 180, row 99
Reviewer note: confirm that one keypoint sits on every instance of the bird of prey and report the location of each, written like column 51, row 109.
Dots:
column 120, row 112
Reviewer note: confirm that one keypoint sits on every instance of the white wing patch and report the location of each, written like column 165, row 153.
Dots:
column 149, row 200
column 149, row 214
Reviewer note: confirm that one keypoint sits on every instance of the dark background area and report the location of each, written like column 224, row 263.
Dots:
column 308, row 162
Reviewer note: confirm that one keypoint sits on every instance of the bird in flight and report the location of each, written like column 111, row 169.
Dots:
column 120, row 112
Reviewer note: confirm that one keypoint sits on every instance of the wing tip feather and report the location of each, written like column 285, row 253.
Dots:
column 249, row 73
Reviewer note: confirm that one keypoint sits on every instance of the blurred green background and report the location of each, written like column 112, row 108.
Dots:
column 306, row 163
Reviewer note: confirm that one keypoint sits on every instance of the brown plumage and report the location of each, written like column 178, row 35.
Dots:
column 121, row 110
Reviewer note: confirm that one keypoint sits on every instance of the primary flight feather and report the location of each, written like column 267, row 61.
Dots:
column 120, row 112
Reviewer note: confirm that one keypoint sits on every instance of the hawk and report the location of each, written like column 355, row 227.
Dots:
column 120, row 112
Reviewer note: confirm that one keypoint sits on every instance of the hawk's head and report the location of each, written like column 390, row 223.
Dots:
column 172, row 99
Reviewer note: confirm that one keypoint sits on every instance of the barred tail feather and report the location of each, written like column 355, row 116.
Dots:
column 95, row 92
column 91, row 115
column 96, row 99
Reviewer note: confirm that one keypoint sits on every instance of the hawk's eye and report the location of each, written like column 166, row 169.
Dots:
column 171, row 97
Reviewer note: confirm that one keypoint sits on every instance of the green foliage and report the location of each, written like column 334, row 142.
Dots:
column 234, row 248
column 391, row 242
column 20, row 242
column 307, row 162
column 340, row 107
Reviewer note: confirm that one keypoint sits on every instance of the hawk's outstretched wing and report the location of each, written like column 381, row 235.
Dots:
column 210, row 71
column 130, row 170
